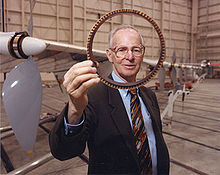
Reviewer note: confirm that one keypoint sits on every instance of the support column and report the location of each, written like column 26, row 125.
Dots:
column 6, row 17
column 57, row 32
column 22, row 15
column 152, row 39
column 122, row 6
column 84, row 24
column 170, row 27
column 162, row 16
column 194, row 30
column 186, row 23
column 3, row 16
column 132, row 16
column 111, row 21
column 72, row 40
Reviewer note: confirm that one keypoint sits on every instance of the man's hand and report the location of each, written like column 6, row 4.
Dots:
column 77, row 80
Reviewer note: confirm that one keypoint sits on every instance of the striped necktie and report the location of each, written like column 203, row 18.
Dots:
column 140, row 134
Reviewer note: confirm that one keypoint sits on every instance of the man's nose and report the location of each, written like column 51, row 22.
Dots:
column 129, row 55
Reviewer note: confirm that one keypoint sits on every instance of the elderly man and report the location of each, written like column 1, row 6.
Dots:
column 122, row 127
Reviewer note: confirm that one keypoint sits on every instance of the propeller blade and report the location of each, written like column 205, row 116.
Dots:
column 161, row 77
column 22, row 94
column 181, row 59
column 173, row 75
column 174, row 57
column 180, row 75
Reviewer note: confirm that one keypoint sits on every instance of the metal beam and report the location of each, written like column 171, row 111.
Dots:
column 32, row 165
column 6, row 161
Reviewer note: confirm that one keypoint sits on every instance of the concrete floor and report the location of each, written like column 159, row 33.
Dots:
column 192, row 134
column 193, row 139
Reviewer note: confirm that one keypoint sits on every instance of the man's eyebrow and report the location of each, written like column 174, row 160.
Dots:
column 126, row 46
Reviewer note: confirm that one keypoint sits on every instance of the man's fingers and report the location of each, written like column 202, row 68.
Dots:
column 87, row 63
column 71, row 75
column 79, row 80
column 76, row 93
column 80, row 77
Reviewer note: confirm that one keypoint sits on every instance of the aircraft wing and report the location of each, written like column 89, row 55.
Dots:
column 169, row 65
column 19, row 45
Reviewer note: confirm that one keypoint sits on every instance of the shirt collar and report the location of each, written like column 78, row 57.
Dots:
column 124, row 92
column 116, row 78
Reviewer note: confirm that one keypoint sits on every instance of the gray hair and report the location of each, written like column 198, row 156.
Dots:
column 124, row 26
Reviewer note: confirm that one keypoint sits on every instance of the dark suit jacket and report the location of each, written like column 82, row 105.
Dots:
column 108, row 133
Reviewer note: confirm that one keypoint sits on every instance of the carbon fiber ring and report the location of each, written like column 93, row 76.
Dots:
column 159, row 64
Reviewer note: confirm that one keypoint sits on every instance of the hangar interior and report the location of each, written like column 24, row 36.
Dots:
column 191, row 29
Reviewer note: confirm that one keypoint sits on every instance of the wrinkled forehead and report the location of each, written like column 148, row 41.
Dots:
column 126, row 37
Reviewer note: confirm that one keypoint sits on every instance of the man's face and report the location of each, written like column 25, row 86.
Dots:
column 125, row 54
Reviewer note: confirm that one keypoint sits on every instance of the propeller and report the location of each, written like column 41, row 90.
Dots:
column 22, row 95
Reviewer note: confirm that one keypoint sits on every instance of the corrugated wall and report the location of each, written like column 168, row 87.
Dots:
column 70, row 21
column 208, row 36
column 51, row 19
column 193, row 34
column 173, row 17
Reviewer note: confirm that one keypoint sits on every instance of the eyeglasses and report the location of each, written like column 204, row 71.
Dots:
column 123, row 51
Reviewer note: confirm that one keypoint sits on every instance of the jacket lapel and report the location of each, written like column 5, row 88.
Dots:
column 120, row 118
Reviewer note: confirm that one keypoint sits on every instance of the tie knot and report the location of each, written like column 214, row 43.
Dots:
column 133, row 91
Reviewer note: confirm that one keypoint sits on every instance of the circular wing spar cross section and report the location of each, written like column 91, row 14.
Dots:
column 143, row 81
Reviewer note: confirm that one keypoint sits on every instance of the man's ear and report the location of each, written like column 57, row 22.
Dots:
column 109, row 55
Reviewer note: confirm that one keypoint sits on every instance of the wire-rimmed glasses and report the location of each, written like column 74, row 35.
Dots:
column 122, row 51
